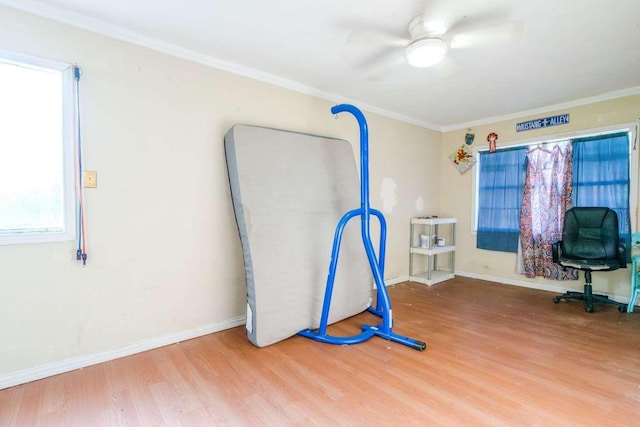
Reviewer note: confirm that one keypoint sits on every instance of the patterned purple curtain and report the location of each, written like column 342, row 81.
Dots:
column 547, row 196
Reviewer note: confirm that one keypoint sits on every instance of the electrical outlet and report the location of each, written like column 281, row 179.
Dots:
column 90, row 179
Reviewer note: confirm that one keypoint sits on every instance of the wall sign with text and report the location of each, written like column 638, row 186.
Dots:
column 562, row 119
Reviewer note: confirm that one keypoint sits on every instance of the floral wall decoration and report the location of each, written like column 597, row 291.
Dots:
column 462, row 159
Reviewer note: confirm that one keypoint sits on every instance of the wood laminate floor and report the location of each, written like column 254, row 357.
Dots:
column 497, row 355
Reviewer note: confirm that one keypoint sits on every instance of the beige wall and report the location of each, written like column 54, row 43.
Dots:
column 500, row 266
column 164, row 255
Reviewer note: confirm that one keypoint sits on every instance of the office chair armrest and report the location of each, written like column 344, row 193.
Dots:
column 622, row 259
column 555, row 251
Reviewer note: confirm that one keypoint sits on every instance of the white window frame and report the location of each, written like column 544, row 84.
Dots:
column 631, row 128
column 68, row 147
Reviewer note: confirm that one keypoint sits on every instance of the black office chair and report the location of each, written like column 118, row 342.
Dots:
column 590, row 242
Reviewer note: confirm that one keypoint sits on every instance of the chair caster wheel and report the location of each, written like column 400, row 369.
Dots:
column 589, row 309
column 556, row 300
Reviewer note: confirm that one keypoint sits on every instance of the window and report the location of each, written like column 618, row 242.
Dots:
column 601, row 177
column 36, row 150
column 501, row 184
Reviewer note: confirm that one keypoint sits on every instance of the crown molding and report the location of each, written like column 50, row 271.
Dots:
column 100, row 27
column 546, row 109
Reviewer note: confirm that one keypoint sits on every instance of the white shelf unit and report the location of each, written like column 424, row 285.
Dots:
column 425, row 260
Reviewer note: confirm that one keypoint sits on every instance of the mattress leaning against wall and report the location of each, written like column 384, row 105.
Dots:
column 289, row 191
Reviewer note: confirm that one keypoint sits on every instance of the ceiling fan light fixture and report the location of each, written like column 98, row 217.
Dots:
column 426, row 52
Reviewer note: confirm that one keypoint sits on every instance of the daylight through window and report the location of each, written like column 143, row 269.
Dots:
column 601, row 177
column 36, row 149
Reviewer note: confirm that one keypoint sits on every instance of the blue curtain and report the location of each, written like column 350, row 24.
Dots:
column 601, row 177
column 501, row 184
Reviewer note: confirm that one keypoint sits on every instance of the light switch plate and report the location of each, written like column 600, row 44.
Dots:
column 90, row 179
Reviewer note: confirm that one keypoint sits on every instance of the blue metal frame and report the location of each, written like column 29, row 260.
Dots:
column 383, row 303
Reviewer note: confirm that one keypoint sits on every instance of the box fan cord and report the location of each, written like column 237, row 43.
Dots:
column 81, row 253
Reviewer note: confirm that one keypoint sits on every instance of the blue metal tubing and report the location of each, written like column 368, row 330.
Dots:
column 381, row 255
column 335, row 252
column 335, row 255
column 392, row 336
column 383, row 303
column 355, row 339
column 364, row 152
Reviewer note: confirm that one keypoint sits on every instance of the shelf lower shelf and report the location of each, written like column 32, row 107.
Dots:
column 437, row 276
column 435, row 250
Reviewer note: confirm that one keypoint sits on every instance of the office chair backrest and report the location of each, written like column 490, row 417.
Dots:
column 590, row 233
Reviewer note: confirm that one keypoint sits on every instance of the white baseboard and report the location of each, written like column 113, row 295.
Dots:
column 561, row 288
column 396, row 280
column 392, row 281
column 55, row 368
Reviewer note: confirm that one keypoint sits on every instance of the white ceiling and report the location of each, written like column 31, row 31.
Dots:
column 569, row 51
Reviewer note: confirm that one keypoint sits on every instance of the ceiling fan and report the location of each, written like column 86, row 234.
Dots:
column 431, row 36
column 427, row 45
column 429, row 41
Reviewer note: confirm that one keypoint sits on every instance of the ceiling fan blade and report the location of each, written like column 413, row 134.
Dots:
column 438, row 16
column 368, row 38
column 497, row 33
column 445, row 16
column 380, row 66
